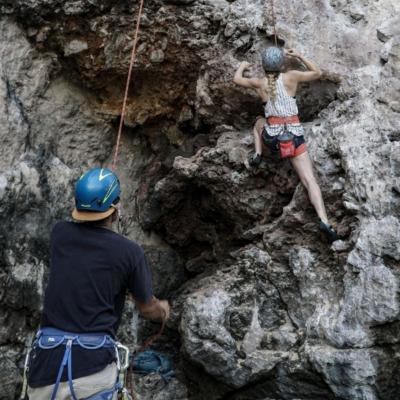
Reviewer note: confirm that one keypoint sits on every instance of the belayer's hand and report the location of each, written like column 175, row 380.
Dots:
column 156, row 310
column 164, row 305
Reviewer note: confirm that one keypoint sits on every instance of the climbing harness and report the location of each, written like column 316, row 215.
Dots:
column 293, row 119
column 128, row 82
column 50, row 338
column 286, row 143
column 144, row 360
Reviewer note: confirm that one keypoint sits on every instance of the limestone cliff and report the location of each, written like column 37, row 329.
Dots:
column 263, row 307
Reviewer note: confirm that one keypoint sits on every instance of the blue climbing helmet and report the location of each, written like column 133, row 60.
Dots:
column 95, row 194
column 272, row 59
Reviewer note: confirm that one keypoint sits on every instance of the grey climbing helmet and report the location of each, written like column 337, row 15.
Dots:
column 272, row 59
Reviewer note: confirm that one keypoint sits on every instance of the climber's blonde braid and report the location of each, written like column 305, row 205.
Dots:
column 271, row 85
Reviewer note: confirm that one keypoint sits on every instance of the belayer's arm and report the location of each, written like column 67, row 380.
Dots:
column 141, row 287
column 239, row 79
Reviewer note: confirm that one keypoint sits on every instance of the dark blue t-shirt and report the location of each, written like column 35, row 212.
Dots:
column 91, row 269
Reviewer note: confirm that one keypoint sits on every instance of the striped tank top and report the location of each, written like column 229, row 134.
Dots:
column 283, row 106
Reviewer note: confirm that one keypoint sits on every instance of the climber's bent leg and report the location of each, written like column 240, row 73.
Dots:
column 303, row 166
column 255, row 159
column 257, row 132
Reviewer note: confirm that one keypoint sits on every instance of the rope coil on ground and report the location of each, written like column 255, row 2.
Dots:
column 150, row 341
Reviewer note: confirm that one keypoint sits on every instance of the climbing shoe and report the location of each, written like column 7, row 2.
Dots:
column 328, row 231
column 255, row 160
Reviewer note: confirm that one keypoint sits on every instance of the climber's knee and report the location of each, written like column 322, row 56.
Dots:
column 303, row 167
column 259, row 126
column 310, row 182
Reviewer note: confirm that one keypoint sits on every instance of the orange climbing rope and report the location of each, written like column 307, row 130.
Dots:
column 128, row 82
column 274, row 22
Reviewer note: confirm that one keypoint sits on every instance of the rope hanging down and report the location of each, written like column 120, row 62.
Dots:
column 154, row 338
column 274, row 22
column 128, row 81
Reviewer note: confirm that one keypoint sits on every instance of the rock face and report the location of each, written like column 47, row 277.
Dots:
column 263, row 308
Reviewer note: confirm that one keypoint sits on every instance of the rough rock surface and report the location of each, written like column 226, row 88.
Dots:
column 263, row 308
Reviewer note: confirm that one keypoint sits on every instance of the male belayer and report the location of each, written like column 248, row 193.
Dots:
column 75, row 354
column 281, row 130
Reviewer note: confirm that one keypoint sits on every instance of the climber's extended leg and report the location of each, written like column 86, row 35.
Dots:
column 303, row 166
column 257, row 132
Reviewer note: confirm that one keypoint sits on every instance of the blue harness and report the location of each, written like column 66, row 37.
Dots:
column 144, row 363
column 50, row 338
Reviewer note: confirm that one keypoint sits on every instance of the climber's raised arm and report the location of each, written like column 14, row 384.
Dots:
column 303, row 76
column 239, row 79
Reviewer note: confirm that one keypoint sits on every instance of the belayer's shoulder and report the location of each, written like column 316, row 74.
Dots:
column 59, row 225
column 131, row 245
column 62, row 225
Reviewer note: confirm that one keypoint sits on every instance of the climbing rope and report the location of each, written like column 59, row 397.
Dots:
column 274, row 22
column 154, row 338
column 128, row 82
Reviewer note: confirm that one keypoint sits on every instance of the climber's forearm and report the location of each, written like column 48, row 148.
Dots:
column 310, row 65
column 240, row 80
column 239, row 71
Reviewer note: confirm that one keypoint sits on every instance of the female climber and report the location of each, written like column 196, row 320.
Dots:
column 281, row 130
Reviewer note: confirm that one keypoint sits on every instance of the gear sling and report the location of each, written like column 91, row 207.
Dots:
column 285, row 143
column 50, row 338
